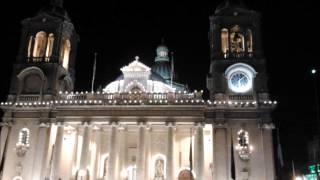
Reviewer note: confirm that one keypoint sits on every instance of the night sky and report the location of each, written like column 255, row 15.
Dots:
column 119, row 30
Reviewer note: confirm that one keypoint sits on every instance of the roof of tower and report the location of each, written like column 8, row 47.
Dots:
column 162, row 65
column 231, row 5
column 162, row 52
column 55, row 8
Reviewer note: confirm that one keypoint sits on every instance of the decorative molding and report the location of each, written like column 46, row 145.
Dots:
column 218, row 125
column 44, row 125
column 267, row 126
column 199, row 124
column 6, row 124
column 60, row 124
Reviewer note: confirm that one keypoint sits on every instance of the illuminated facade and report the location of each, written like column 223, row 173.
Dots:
column 143, row 125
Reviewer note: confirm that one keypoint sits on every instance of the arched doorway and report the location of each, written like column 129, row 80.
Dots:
column 185, row 175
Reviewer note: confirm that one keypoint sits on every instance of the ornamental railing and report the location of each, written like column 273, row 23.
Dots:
column 131, row 98
column 27, row 98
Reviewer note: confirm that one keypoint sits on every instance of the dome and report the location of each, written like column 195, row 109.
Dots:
column 163, row 69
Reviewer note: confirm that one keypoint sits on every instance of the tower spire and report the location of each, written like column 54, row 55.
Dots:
column 162, row 41
column 56, row 3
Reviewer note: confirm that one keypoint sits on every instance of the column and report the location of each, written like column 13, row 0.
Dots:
column 268, row 151
column 3, row 139
column 111, row 175
column 170, row 152
column 141, row 152
column 75, row 160
column 122, row 151
column 57, row 152
column 96, row 158
column 199, row 151
column 40, row 151
column 220, row 152
column 148, row 153
column 83, row 170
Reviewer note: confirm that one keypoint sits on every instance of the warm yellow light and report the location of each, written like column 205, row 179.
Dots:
column 298, row 178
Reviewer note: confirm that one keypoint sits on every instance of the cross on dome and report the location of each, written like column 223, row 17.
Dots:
column 137, row 58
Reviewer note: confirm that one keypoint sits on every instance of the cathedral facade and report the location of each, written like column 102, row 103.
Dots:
column 144, row 125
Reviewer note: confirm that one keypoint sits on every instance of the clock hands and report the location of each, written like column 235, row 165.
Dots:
column 239, row 81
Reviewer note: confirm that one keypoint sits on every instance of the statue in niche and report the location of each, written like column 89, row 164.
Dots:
column 159, row 170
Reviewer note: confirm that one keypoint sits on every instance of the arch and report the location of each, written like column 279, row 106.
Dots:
column 134, row 84
column 35, row 76
column 186, row 174
column 240, row 66
column 32, row 69
column 39, row 45
column 49, row 47
column 17, row 178
column 159, row 167
column 65, row 53
column 224, row 40
column 249, row 41
column 135, row 89
column 24, row 137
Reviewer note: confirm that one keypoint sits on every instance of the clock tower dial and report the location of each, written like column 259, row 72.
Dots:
column 239, row 82
column 240, row 78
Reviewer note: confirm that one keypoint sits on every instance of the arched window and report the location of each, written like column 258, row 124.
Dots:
column 243, row 147
column 39, row 47
column 24, row 137
column 249, row 41
column 237, row 40
column 49, row 47
column 224, row 41
column 30, row 46
column 65, row 53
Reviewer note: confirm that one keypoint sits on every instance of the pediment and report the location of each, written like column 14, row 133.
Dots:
column 136, row 66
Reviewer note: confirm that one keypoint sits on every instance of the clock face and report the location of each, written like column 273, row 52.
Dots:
column 239, row 82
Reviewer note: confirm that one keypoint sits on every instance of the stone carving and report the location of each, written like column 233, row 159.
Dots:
column 159, row 170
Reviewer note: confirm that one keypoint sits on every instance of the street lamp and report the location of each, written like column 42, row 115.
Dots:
column 314, row 74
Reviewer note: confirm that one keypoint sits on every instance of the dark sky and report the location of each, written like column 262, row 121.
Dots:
column 119, row 30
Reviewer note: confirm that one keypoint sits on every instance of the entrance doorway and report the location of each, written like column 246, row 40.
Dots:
column 185, row 175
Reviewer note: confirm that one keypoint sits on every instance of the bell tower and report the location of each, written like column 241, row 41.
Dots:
column 45, row 62
column 235, row 44
column 237, row 82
